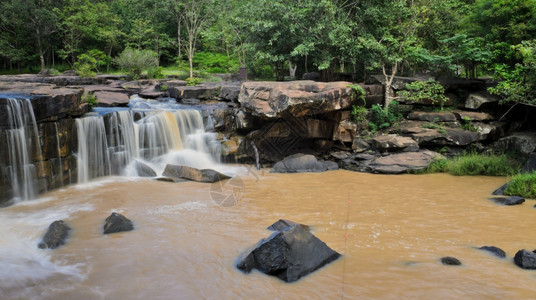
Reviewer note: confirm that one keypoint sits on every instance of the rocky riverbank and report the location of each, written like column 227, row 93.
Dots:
column 265, row 122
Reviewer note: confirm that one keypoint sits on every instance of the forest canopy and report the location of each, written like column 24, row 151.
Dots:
column 277, row 38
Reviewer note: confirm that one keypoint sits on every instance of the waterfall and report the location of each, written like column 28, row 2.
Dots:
column 22, row 144
column 109, row 144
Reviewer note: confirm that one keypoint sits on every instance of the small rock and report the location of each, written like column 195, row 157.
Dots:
column 282, row 224
column 143, row 169
column 199, row 175
column 117, row 223
column 299, row 163
column 55, row 236
column 451, row 261
column 500, row 191
column 511, row 200
column 494, row 250
column 525, row 259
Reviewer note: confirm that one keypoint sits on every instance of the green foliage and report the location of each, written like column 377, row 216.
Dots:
column 467, row 124
column 163, row 88
column 193, row 81
column 215, row 62
column 358, row 94
column 381, row 118
column 87, row 64
column 436, row 126
column 90, row 99
column 155, row 73
column 476, row 164
column 523, row 185
column 359, row 115
column 419, row 91
column 136, row 61
column 518, row 84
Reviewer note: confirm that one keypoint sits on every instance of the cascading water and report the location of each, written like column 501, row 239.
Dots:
column 111, row 142
column 22, row 143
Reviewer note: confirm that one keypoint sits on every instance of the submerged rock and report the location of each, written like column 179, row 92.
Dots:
column 500, row 191
column 283, row 224
column 117, row 223
column 494, row 250
column 525, row 259
column 199, row 175
column 289, row 254
column 55, row 236
column 450, row 261
column 143, row 169
column 299, row 163
column 511, row 200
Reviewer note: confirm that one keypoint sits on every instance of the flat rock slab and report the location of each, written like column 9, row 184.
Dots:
column 117, row 223
column 511, row 200
column 111, row 99
column 525, row 259
column 403, row 162
column 394, row 143
column 199, row 175
column 432, row 116
column 302, row 163
column 288, row 254
column 296, row 98
column 473, row 116
column 194, row 92
column 55, row 236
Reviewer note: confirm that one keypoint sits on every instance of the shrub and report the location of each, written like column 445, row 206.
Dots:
column 87, row 64
column 215, row 62
column 359, row 115
column 523, row 185
column 358, row 94
column 476, row 164
column 155, row 73
column 418, row 91
column 193, row 81
column 90, row 99
column 381, row 118
column 136, row 61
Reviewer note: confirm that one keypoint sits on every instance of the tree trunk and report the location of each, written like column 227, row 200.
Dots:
column 342, row 66
column 388, row 83
column 179, row 37
column 191, row 57
column 40, row 48
column 306, row 64
column 292, row 70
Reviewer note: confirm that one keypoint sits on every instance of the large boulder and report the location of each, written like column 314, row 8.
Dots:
column 296, row 98
column 288, row 254
column 394, row 143
column 403, row 162
column 111, row 99
column 55, row 236
column 477, row 99
column 142, row 169
column 199, row 175
column 117, row 223
column 299, row 163
column 523, row 143
column 525, row 259
column 194, row 92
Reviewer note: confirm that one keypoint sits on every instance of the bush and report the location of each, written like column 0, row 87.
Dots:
column 215, row 62
column 193, row 81
column 418, row 91
column 359, row 115
column 87, row 64
column 381, row 118
column 523, row 185
column 155, row 73
column 136, row 61
column 476, row 164
column 358, row 94
column 90, row 99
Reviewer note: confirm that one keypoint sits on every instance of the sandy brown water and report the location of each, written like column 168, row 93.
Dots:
column 391, row 230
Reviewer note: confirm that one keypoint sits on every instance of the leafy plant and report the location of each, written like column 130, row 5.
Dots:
column 136, row 61
column 190, row 81
column 419, row 91
column 163, row 88
column 359, row 115
column 88, row 63
column 155, row 73
column 358, row 93
column 523, row 185
column 90, row 99
column 381, row 118
column 468, row 124
column 476, row 164
column 215, row 62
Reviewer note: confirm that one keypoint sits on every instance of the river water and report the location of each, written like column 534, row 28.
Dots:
column 391, row 230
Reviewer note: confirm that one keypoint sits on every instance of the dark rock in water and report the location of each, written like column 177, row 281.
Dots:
column 143, row 169
column 511, row 200
column 299, row 163
column 283, row 224
column 117, row 223
column 495, row 250
column 289, row 254
column 451, row 261
column 403, row 162
column 200, row 175
column 525, row 259
column 500, row 191
column 55, row 236
column 170, row 179
column 530, row 165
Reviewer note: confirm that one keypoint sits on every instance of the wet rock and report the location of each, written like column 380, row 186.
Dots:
column 117, row 223
column 432, row 116
column 143, row 169
column 301, row 163
column 511, row 200
column 500, row 191
column 476, row 100
column 289, row 254
column 450, row 261
column 199, row 175
column 283, row 224
column 394, row 143
column 190, row 101
column 494, row 250
column 152, row 92
column 55, row 236
column 296, row 98
column 403, row 162
column 111, row 99
column 522, row 142
column 170, row 179
column 525, row 259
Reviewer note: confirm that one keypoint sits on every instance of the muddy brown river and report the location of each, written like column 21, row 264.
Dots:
column 391, row 231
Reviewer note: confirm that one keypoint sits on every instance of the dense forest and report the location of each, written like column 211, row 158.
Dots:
column 277, row 38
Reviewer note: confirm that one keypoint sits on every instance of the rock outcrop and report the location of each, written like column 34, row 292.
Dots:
column 117, row 223
column 55, row 236
column 403, row 162
column 199, row 175
column 288, row 254
column 525, row 259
